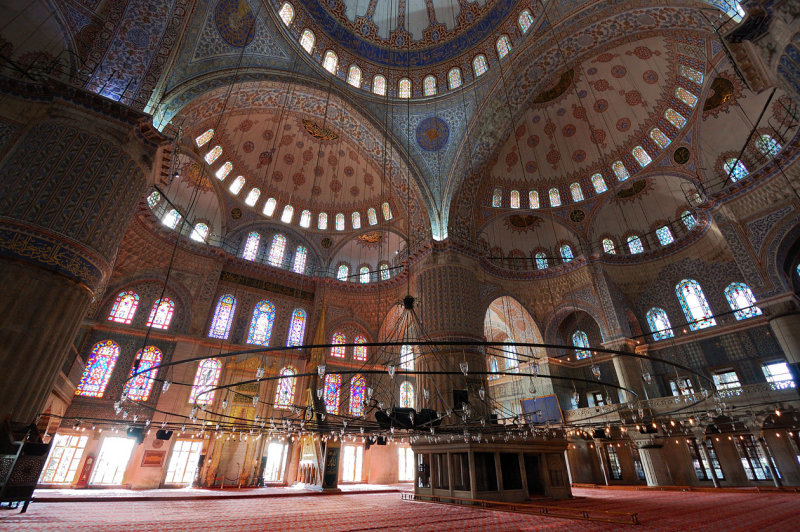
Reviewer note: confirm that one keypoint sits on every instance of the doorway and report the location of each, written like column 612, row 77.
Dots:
column 113, row 460
column 183, row 462
column 276, row 461
column 351, row 465
column 534, row 475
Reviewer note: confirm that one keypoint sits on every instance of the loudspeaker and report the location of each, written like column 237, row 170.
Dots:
column 493, row 419
column 381, row 440
column 397, row 417
column 163, row 434
column 426, row 418
column 460, row 397
column 136, row 432
column 599, row 433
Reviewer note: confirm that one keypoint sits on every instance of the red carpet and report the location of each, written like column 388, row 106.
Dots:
column 386, row 511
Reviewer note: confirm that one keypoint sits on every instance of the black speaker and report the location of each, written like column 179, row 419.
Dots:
column 493, row 419
column 381, row 440
column 136, row 432
column 599, row 433
column 163, row 434
column 397, row 417
column 648, row 429
column 460, row 397
column 426, row 418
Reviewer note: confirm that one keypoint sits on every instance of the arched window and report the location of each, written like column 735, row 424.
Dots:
column 161, row 314
column 269, row 206
column 736, row 169
column 322, row 221
column 497, row 197
column 98, row 370
column 581, row 341
column 406, row 395
column 675, row 118
column 224, row 170
column 330, row 62
column 479, row 66
column 251, row 246
column 503, row 46
column 686, row 97
column 659, row 138
column 429, row 86
column 354, row 76
column 599, row 183
column 288, row 213
column 694, row 304
column 688, row 220
column 276, row 250
column 125, row 305
column 664, row 235
column 372, row 218
column 379, row 85
column 541, row 260
column 363, row 275
column 641, row 156
column 768, row 145
column 261, row 324
column 691, row 74
column 307, row 40
column 407, row 357
column 555, row 197
column 213, row 155
column 566, row 253
column 340, row 222
column 384, row 271
column 206, row 378
column 533, row 199
column 338, row 350
column 153, row 199
column 404, row 88
column 200, row 232
column 171, row 219
column 140, row 386
column 525, row 21
column 252, row 197
column 515, row 199
column 577, row 193
column 284, row 394
column 609, row 247
column 358, row 389
column 493, row 368
column 635, row 244
column 511, row 356
column 343, row 272
column 454, row 79
column 333, row 383
column 297, row 328
column 300, row 255
column 387, row 211
column 355, row 219
column 237, row 185
column 223, row 317
column 659, row 324
column 305, row 218
column 620, row 171
column 204, row 138
column 742, row 301
column 286, row 13
column 360, row 351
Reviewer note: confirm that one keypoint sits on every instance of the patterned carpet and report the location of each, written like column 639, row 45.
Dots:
column 668, row 511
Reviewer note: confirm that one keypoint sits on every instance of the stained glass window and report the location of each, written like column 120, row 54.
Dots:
column 288, row 213
column 161, row 314
column 429, row 86
column 204, row 138
column 406, row 395
column 688, row 220
column 599, row 183
column 338, row 350
column 692, row 74
column 541, row 260
column 664, row 235
column 343, row 272
column 358, row 388
column 736, row 169
column 525, row 20
column 641, row 156
column 577, row 193
column 237, row 185
column 200, row 232
column 493, row 368
column 330, row 62
column 581, row 341
column 206, row 378
column 340, row 222
column 224, row 170
column 252, row 197
column 384, row 271
column 251, row 246
column 261, row 324
column 354, row 76
column 635, row 244
column 363, row 275
column 171, row 219
column 372, row 218
column 404, row 88
column 675, row 118
column 297, row 328
column 686, row 97
column 609, row 247
column 454, row 78
column 742, row 301
column 305, row 218
column 333, row 384
column 533, row 199
column 269, row 206
column 407, row 357
column 694, row 304
column 286, row 13
column 307, row 40
column 620, row 171
column 300, row 255
column 140, row 386
column 503, row 46
column 153, row 199
column 659, row 324
column 515, row 199
column 497, row 197
column 511, row 356
column 566, row 253
column 360, row 351
column 658, row 136
column 479, row 65
column 223, row 317
column 555, row 197
column 284, row 395
column 125, row 305
column 387, row 211
column 213, row 155
column 276, row 250
column 379, row 85
column 98, row 370
column 322, row 221
column 355, row 219
column 768, row 145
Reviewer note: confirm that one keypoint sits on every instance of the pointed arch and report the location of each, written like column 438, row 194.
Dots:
column 694, row 304
column 161, row 314
column 124, row 308
column 223, row 317
column 261, row 323
column 99, row 368
column 742, row 301
column 139, row 387
column 659, row 324
column 297, row 328
column 406, row 395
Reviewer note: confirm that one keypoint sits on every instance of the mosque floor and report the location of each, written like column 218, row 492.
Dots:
column 382, row 510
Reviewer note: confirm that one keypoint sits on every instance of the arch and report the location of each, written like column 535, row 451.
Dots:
column 333, row 385
column 223, row 317
column 171, row 219
column 503, row 46
column 599, row 183
column 161, row 314
column 355, row 220
column 406, row 395
column 694, row 304
column 286, row 13
column 330, row 61
column 363, row 275
column 354, row 76
column 635, row 244
column 429, row 85
column 261, row 324
column 252, row 197
column 307, row 40
column 379, row 85
column 659, row 324
column 404, row 88
column 237, row 185
column 139, row 387
column 506, row 319
column 206, row 378
column 358, row 391
column 742, row 301
column 525, row 21
column 297, row 328
column 343, row 272
column 479, row 65
column 609, row 247
column 322, row 221
column 454, row 78
column 284, row 392
column 102, row 359
column 124, row 308
column 200, row 232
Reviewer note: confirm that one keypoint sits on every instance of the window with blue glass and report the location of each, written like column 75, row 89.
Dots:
column 659, row 324
column 742, row 301
column 694, row 304
column 581, row 342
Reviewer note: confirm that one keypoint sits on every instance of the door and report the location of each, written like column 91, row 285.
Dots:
column 112, row 461
column 276, row 462
column 533, row 474
column 351, row 463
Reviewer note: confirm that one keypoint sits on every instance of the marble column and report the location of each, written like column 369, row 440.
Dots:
column 628, row 369
column 73, row 166
column 655, row 466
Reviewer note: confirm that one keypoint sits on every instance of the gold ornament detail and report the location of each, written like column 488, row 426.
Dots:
column 317, row 131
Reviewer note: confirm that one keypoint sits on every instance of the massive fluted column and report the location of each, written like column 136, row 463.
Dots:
column 72, row 167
